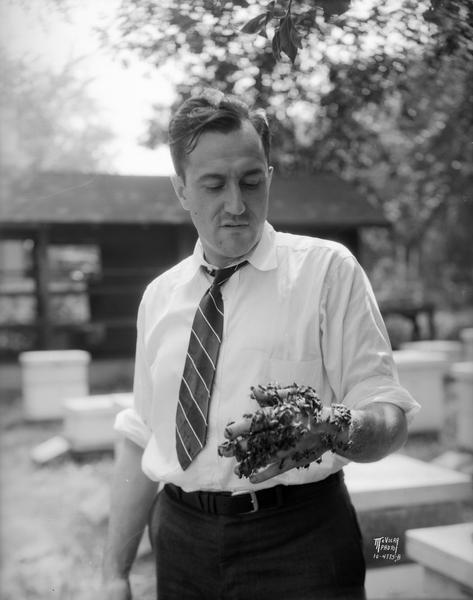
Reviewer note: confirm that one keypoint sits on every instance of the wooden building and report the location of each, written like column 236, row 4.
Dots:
column 140, row 229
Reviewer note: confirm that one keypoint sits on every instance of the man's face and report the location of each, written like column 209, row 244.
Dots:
column 226, row 192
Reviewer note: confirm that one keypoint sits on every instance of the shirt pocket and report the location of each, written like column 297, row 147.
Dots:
column 303, row 372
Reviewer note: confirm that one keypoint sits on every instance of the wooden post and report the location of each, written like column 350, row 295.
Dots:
column 355, row 243
column 41, row 277
column 186, row 238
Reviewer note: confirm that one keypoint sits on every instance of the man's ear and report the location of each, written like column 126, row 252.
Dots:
column 270, row 175
column 180, row 190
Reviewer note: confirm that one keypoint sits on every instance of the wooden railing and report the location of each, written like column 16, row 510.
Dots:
column 107, row 312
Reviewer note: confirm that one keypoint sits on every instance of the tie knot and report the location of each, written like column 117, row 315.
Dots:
column 222, row 275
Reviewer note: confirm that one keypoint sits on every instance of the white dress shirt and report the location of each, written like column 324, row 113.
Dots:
column 301, row 311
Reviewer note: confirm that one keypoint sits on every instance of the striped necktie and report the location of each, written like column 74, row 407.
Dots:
column 199, row 370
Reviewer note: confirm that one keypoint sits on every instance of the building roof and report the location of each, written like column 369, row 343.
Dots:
column 48, row 198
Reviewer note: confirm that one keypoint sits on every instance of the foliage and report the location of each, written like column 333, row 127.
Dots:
column 289, row 27
column 380, row 94
column 48, row 119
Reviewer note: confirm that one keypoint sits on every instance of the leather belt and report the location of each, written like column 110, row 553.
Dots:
column 230, row 504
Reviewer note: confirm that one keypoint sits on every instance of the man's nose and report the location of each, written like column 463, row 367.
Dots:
column 233, row 201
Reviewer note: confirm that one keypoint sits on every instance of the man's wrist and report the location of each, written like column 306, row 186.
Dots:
column 114, row 571
column 115, row 589
column 338, row 419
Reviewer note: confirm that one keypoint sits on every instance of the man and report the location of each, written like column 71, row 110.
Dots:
column 291, row 309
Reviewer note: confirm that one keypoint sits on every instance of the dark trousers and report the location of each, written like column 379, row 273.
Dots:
column 308, row 551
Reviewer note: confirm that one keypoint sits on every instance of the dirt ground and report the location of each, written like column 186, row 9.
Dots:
column 49, row 547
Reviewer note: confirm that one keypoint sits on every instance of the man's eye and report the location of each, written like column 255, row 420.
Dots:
column 214, row 187
column 251, row 184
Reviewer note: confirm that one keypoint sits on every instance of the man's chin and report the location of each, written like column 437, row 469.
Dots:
column 230, row 248
column 231, row 254
column 240, row 250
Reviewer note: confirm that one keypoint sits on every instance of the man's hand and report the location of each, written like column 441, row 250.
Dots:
column 116, row 589
column 132, row 494
column 291, row 429
column 309, row 448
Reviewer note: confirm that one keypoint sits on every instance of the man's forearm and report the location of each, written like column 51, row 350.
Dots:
column 131, row 496
column 374, row 432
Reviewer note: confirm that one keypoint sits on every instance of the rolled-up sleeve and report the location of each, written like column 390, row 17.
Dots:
column 133, row 422
column 356, row 348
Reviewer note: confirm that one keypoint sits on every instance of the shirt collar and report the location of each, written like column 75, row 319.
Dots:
column 263, row 257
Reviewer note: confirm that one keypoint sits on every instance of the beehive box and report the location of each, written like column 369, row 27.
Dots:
column 48, row 378
column 88, row 422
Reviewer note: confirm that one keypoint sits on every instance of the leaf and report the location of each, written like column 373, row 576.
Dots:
column 289, row 37
column 332, row 8
column 295, row 37
column 255, row 24
column 432, row 16
column 274, row 11
column 258, row 24
column 276, row 43
column 305, row 18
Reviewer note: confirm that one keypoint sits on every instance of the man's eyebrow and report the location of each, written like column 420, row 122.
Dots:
column 210, row 176
column 249, row 173
column 255, row 171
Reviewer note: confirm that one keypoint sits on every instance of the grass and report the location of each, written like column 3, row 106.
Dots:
column 49, row 548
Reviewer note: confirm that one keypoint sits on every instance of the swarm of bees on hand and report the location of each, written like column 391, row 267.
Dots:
column 284, row 416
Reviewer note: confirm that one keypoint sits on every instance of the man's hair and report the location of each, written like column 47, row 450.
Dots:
column 211, row 111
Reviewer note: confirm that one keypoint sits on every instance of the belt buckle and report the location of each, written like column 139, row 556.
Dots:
column 253, row 500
